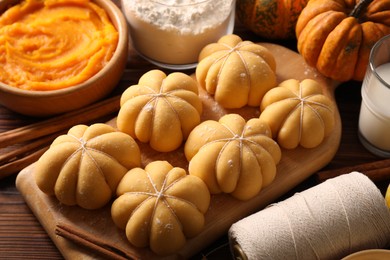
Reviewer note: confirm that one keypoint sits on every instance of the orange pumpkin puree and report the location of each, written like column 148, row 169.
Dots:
column 54, row 44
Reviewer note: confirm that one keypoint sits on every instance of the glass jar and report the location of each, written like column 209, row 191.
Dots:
column 374, row 118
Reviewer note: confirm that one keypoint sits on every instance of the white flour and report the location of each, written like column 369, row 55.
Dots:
column 174, row 31
column 182, row 16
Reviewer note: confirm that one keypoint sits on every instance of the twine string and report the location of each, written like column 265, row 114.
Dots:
column 329, row 221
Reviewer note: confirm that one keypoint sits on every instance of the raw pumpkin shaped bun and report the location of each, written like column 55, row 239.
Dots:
column 160, row 206
column 298, row 113
column 84, row 166
column 233, row 156
column 161, row 110
column 237, row 73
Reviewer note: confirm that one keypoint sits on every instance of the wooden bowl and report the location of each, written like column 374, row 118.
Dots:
column 47, row 103
column 369, row 254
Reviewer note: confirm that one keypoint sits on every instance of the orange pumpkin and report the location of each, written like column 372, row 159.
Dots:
column 336, row 36
column 271, row 19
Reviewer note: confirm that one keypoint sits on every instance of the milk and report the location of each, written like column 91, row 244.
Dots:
column 374, row 122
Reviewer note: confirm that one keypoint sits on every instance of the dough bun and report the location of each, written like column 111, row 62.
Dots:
column 84, row 166
column 235, row 72
column 298, row 113
column 160, row 206
column 233, row 156
column 160, row 110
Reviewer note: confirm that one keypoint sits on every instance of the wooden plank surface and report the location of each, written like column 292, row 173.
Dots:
column 296, row 166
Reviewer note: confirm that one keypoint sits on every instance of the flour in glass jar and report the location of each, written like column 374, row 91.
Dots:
column 175, row 31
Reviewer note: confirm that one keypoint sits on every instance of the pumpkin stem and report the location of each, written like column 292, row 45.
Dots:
column 359, row 8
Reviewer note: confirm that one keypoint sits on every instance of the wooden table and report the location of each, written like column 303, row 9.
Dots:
column 22, row 236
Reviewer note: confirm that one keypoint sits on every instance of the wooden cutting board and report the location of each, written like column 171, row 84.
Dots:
column 296, row 165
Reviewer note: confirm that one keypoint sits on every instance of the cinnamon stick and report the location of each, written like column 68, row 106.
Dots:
column 25, row 148
column 15, row 166
column 61, row 122
column 377, row 171
column 92, row 242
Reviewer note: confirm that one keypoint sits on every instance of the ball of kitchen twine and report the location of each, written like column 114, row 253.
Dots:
column 329, row 221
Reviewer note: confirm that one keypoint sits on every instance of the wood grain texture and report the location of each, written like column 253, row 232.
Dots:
column 296, row 166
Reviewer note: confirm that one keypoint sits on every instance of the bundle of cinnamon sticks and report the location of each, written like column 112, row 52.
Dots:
column 377, row 171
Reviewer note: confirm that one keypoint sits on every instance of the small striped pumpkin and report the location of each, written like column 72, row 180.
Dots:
column 270, row 19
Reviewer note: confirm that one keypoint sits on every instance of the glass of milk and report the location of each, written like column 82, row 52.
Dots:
column 171, row 33
column 374, row 119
